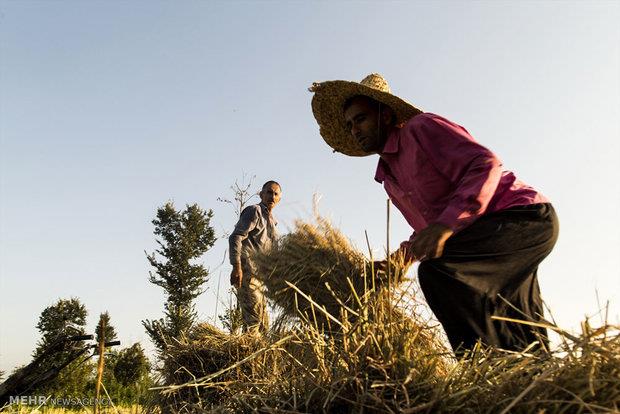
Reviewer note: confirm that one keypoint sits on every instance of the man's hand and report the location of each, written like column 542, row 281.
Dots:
column 399, row 265
column 429, row 243
column 236, row 276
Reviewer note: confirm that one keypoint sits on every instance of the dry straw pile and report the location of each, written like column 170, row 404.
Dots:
column 354, row 345
column 314, row 274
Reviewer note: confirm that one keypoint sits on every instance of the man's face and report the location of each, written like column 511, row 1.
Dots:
column 270, row 195
column 366, row 124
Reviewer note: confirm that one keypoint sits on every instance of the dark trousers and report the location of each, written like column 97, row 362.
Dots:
column 489, row 269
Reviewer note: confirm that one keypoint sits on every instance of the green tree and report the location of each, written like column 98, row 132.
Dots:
column 126, row 377
column 104, row 332
column 75, row 379
column 66, row 317
column 109, row 333
column 131, row 365
column 184, row 236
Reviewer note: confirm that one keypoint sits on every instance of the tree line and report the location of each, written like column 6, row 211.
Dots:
column 182, row 236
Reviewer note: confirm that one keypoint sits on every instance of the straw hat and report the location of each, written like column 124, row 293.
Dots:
column 327, row 106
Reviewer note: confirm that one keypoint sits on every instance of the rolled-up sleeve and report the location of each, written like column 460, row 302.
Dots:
column 474, row 168
column 246, row 223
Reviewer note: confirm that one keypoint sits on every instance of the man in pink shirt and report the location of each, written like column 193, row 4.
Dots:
column 480, row 233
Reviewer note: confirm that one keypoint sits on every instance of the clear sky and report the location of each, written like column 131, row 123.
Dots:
column 109, row 109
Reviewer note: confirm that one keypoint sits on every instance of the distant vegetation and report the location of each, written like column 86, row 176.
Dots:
column 126, row 376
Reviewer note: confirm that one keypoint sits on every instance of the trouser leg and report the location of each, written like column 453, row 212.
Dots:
column 492, row 261
column 461, row 309
column 525, row 303
column 253, row 304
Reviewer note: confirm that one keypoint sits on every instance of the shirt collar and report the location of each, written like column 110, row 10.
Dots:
column 266, row 213
column 390, row 147
column 391, row 144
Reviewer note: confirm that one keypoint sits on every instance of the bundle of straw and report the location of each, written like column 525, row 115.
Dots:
column 211, row 356
column 314, row 273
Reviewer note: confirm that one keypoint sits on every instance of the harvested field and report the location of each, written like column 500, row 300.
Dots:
column 355, row 343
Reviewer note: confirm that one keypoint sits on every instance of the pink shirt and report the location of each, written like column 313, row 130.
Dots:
column 435, row 172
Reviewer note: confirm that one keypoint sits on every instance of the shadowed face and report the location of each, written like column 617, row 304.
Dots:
column 368, row 122
column 270, row 195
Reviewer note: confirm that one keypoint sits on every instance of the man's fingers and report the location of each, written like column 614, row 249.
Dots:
column 420, row 249
column 424, row 250
column 438, row 251
column 429, row 243
column 433, row 252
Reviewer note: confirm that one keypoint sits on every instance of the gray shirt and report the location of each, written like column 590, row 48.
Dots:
column 255, row 230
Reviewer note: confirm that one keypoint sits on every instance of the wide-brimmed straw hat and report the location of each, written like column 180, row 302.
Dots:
column 327, row 106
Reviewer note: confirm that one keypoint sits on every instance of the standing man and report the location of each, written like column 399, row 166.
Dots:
column 255, row 230
column 480, row 233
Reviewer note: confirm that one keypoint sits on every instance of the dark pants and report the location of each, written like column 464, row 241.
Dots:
column 496, row 257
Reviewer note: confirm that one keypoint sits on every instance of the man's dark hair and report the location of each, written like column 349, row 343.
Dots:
column 373, row 102
column 271, row 182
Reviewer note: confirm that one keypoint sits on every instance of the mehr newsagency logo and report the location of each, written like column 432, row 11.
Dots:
column 69, row 401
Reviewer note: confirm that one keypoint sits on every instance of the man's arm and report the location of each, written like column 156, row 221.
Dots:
column 473, row 169
column 246, row 223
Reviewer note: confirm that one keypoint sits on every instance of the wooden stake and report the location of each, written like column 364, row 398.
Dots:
column 389, row 262
column 99, row 366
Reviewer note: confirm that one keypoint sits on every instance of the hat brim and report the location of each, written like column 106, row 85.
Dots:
column 327, row 107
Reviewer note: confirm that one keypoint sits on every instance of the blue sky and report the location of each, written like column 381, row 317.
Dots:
column 109, row 109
